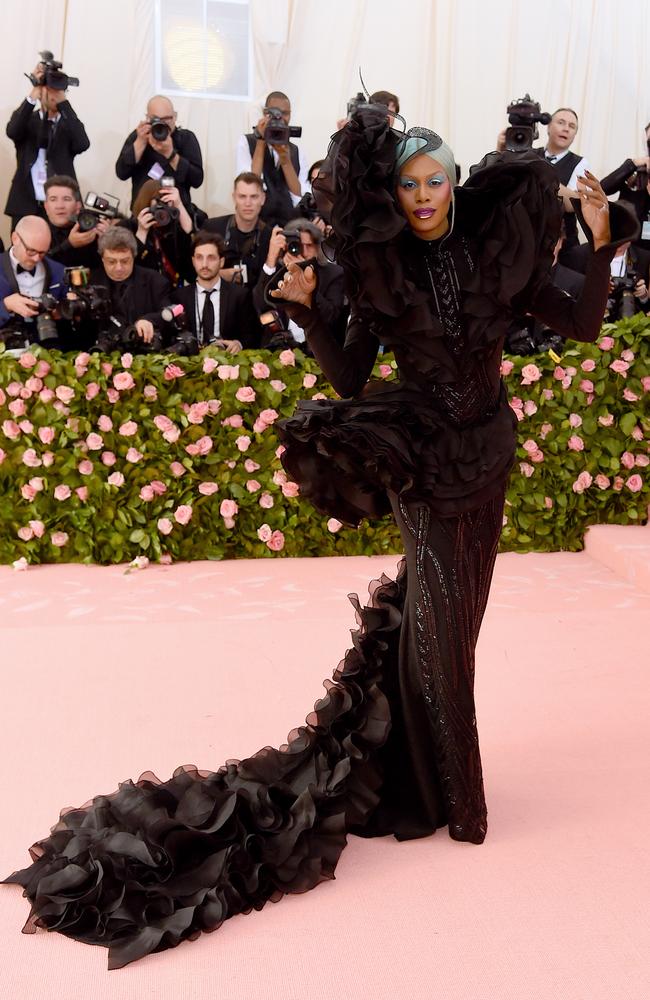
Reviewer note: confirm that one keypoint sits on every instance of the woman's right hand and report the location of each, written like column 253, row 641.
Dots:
column 298, row 285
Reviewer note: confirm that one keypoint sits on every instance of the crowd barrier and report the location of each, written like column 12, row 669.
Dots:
column 109, row 459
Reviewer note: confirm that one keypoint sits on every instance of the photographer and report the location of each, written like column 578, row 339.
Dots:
column 629, row 282
column 278, row 165
column 631, row 181
column 157, row 148
column 71, row 246
column 163, row 228
column 245, row 234
column 300, row 241
column 47, row 135
column 136, row 294
column 26, row 275
column 218, row 312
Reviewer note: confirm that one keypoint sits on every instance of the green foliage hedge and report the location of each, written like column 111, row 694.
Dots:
column 105, row 459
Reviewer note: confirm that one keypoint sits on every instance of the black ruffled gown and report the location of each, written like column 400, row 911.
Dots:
column 392, row 747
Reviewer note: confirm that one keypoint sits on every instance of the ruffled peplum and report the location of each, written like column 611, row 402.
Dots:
column 158, row 862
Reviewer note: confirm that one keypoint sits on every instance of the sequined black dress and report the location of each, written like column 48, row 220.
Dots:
column 392, row 747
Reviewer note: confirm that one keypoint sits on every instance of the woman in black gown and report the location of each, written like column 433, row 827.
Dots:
column 392, row 747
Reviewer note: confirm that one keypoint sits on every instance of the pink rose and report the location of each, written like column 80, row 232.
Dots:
column 548, row 503
column 627, row 355
column 173, row 371
column 95, row 442
column 177, row 469
column 645, row 382
column 197, row 412
column 279, row 477
column 108, row 458
column 277, row 385
column 606, row 421
column 629, row 396
column 566, row 382
column 62, row 492
column 165, row 526
column 310, row 380
column 627, row 460
column 259, row 426
column 46, row 434
column 17, row 408
column 526, row 469
column 642, row 461
column 583, row 482
column 162, row 422
column 236, row 420
column 209, row 365
column 42, row 369
column 133, row 455
column 575, row 420
column 253, row 486
column 37, row 483
column 506, row 368
column 38, row 528
column 529, row 446
column 25, row 534
column 59, row 538
column 204, row 444
column 31, row 459
column 559, row 373
column 545, row 431
column 208, row 489
column 333, row 525
column 92, row 390
column 225, row 372
column 183, row 514
column 245, row 394
column 104, row 423
column 260, row 370
column 588, row 365
column 586, row 385
column 115, row 479
column 606, row 343
column 20, row 565
column 10, row 429
column 290, row 489
column 27, row 492
column 33, row 383
column 620, row 367
column 13, row 389
column 264, row 533
column 48, row 459
column 3, row 455
column 276, row 541
column 266, row 501
column 537, row 456
column 112, row 395
column 123, row 381
column 250, row 465
column 530, row 408
column 634, row 483
column 228, row 508
column 150, row 392
column 27, row 360
column 172, row 434
column 548, row 394
column 287, row 358
column 214, row 405
column 64, row 393
column 85, row 467
column 575, row 443
column 146, row 493
column 516, row 403
column 128, row 428
column 243, row 442
column 617, row 485
column 280, row 450
column 530, row 374
column 82, row 493
column 26, row 426
column 269, row 416
column 127, row 360
column 602, row 482
column 158, row 487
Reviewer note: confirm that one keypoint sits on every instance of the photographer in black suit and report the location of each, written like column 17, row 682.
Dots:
column 218, row 312
column 159, row 148
column 47, row 135
column 631, row 181
column 136, row 294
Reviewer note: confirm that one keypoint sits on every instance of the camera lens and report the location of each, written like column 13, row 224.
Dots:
column 159, row 131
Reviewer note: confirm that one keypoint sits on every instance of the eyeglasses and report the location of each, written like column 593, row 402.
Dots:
column 30, row 250
column 169, row 119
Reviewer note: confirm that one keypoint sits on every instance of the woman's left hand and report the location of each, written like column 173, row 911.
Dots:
column 595, row 209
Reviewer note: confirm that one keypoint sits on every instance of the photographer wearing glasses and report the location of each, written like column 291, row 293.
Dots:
column 31, row 285
column 268, row 152
column 47, row 135
column 159, row 148
column 300, row 241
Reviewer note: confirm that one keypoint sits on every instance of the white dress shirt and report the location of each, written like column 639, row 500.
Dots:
column 579, row 171
column 245, row 161
column 32, row 285
column 201, row 293
column 39, row 166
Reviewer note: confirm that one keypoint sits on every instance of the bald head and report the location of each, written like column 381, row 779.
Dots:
column 30, row 240
column 160, row 107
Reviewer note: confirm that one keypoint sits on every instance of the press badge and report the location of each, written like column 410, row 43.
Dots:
column 156, row 172
column 645, row 230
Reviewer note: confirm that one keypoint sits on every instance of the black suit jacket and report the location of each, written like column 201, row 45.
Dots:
column 330, row 299
column 145, row 294
column 188, row 173
column 237, row 318
column 65, row 141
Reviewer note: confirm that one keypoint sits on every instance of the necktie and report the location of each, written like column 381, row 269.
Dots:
column 551, row 159
column 25, row 270
column 207, row 318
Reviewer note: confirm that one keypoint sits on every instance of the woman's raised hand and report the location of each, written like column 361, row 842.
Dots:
column 595, row 208
column 297, row 286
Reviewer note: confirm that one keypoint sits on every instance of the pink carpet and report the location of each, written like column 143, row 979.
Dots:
column 106, row 674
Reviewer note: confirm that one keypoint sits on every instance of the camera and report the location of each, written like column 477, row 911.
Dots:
column 355, row 103
column 621, row 303
column 42, row 329
column 53, row 75
column 46, row 331
column 163, row 213
column 294, row 246
column 523, row 115
column 277, row 132
column 92, row 302
column 182, row 340
column 97, row 207
column 160, row 130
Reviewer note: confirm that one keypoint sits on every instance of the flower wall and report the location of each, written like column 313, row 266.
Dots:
column 111, row 459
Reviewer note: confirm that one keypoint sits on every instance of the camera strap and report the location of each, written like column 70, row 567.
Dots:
column 250, row 245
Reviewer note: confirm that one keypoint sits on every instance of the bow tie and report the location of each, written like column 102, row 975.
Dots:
column 26, row 270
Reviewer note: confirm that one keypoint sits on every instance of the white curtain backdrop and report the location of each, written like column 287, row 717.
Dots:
column 455, row 66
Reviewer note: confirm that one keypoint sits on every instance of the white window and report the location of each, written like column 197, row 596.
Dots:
column 204, row 49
